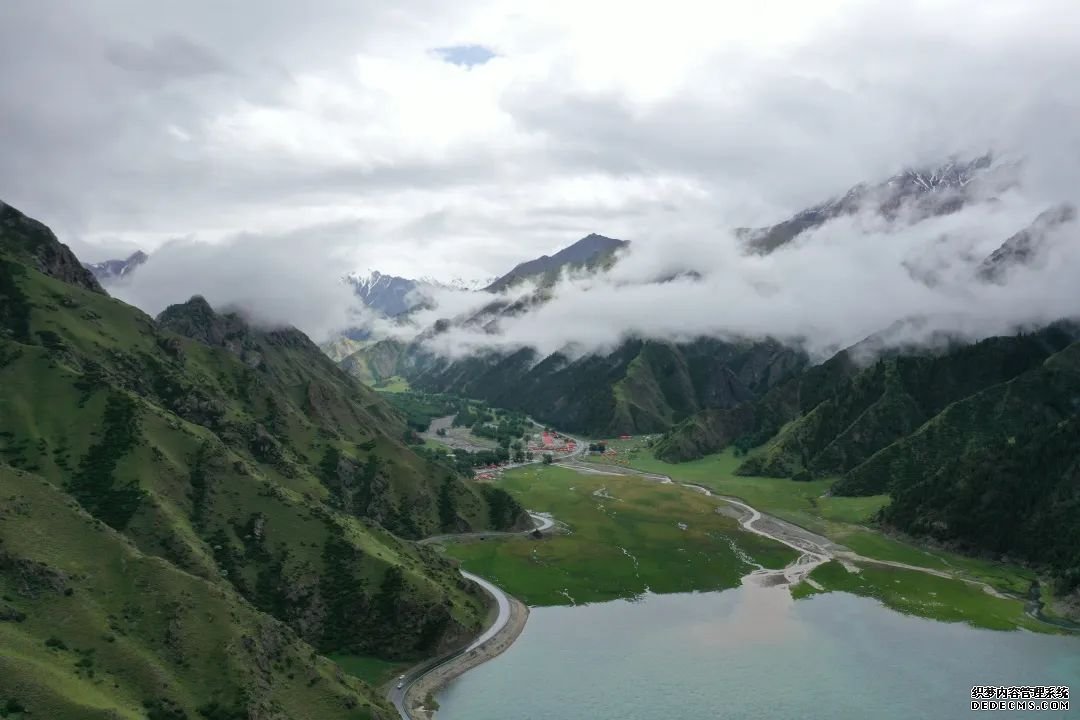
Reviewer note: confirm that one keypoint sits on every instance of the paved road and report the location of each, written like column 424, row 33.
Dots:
column 501, row 601
column 541, row 522
column 397, row 694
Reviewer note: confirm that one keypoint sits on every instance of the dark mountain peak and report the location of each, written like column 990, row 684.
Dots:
column 197, row 320
column 232, row 330
column 588, row 246
column 35, row 244
column 590, row 252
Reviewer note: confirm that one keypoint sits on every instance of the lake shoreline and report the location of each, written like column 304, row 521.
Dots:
column 439, row 677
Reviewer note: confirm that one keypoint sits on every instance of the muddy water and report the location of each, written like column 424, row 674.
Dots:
column 751, row 653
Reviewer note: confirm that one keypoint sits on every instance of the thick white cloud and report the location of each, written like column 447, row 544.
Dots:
column 250, row 128
column 833, row 287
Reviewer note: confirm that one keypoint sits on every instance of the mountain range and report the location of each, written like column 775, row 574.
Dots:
column 195, row 510
column 915, row 193
column 395, row 296
column 959, row 434
column 387, row 294
column 523, row 379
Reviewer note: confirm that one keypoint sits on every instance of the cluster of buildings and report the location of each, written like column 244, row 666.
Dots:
column 552, row 442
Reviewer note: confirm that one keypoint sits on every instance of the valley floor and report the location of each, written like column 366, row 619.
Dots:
column 633, row 525
column 907, row 576
column 626, row 537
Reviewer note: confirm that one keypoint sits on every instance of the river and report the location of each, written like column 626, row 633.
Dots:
column 752, row 653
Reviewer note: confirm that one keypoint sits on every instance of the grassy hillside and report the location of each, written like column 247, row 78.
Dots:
column 1019, row 496
column 94, row 628
column 241, row 463
column 752, row 423
column 891, row 399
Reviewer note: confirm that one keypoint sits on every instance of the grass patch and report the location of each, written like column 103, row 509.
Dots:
column 917, row 593
column 625, row 539
column 844, row 520
column 394, row 384
column 374, row 671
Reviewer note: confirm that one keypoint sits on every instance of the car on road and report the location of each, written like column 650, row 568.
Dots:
column 400, row 685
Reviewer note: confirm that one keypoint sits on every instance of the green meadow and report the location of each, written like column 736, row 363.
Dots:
column 393, row 384
column 849, row 521
column 624, row 537
column 844, row 520
column 919, row 593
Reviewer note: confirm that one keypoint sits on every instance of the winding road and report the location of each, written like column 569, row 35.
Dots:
column 399, row 690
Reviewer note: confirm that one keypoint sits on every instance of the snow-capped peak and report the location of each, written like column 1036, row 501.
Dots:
column 457, row 283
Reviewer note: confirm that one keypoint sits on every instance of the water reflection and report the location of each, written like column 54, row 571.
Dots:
column 750, row 653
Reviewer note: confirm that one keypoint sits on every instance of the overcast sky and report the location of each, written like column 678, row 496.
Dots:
column 455, row 139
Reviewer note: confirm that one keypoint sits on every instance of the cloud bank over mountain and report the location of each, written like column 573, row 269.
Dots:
column 831, row 288
column 287, row 152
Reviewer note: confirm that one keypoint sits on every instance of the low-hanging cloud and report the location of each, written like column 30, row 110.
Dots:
column 268, row 277
column 834, row 286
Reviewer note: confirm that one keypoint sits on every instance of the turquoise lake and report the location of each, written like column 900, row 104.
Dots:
column 752, row 653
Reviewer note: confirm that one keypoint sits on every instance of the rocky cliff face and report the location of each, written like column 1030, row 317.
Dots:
column 32, row 241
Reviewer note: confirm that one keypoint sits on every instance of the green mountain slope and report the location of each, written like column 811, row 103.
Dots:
column 751, row 424
column 1031, row 405
column 998, row 471
column 835, row 415
column 237, row 463
column 1018, row 497
column 977, row 445
column 891, row 399
column 93, row 628
column 640, row 387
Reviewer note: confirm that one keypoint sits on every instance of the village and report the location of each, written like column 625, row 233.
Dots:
column 543, row 444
